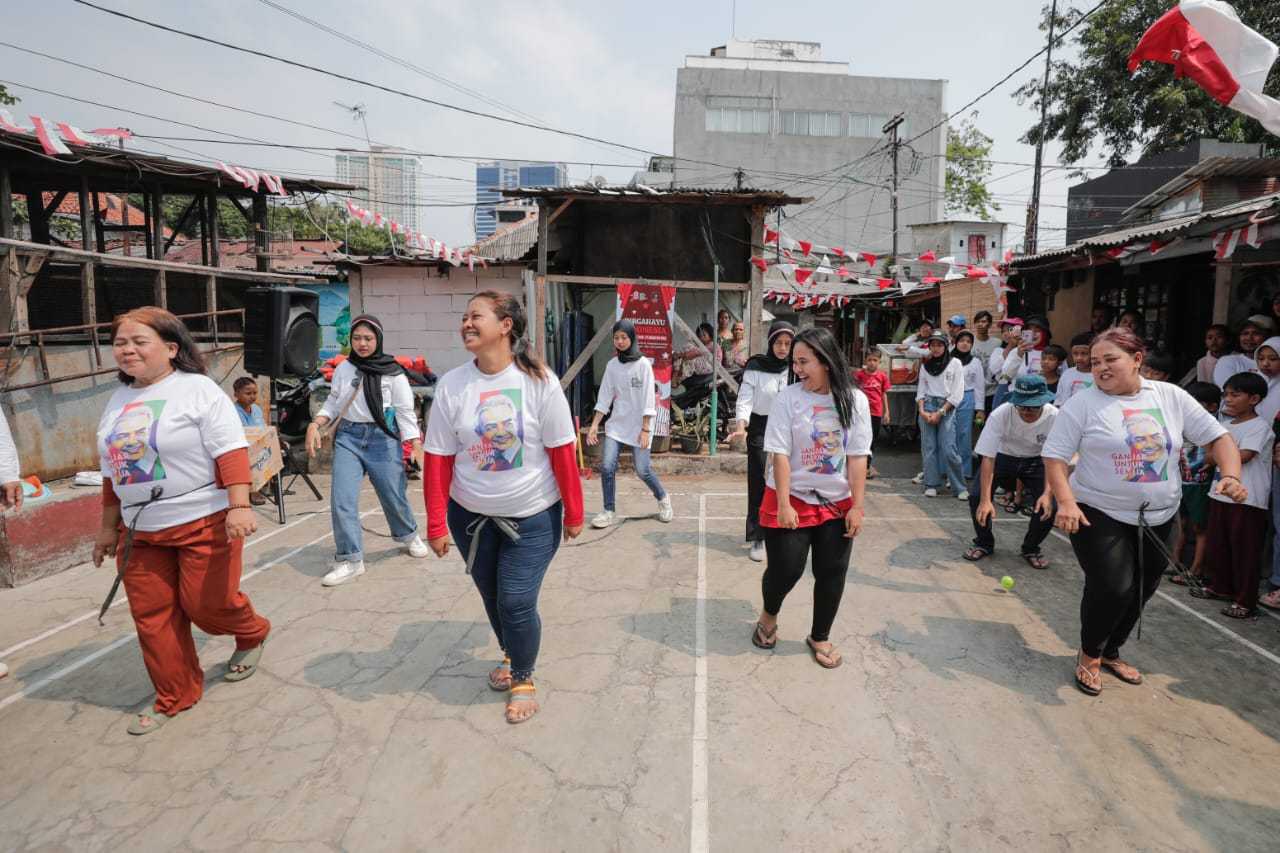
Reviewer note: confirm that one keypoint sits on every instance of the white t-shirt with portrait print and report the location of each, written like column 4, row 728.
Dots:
column 1255, row 434
column 498, row 427
column 1129, row 447
column 806, row 428
column 166, row 436
column 1071, row 382
column 628, row 389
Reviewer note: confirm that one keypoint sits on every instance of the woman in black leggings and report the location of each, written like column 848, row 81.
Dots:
column 819, row 438
column 1126, row 433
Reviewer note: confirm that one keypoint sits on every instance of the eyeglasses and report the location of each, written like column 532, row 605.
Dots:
column 1029, row 410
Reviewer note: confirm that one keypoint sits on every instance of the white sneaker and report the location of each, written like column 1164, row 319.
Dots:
column 918, row 479
column 665, row 511
column 930, row 493
column 343, row 573
column 603, row 519
column 757, row 552
column 963, row 496
column 417, row 548
column 4, row 670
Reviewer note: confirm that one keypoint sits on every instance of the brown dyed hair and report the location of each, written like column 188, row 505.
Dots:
column 507, row 307
column 171, row 330
column 1121, row 337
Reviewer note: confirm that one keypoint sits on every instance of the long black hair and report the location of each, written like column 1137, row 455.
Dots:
column 823, row 345
column 507, row 307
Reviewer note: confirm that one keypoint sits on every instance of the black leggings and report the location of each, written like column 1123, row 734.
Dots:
column 1108, row 552
column 756, row 461
column 787, row 551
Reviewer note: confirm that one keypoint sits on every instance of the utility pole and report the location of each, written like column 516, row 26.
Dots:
column 892, row 126
column 1031, row 237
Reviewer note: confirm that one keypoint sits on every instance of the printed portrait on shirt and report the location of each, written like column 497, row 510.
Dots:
column 1195, row 464
column 131, row 444
column 826, row 454
column 1150, row 447
column 500, row 426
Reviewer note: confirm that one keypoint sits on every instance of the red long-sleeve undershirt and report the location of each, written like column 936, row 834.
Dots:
column 437, row 477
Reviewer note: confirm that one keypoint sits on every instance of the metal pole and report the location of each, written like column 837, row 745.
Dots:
column 715, row 390
column 1032, row 236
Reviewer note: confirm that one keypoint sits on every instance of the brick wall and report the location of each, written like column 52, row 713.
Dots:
column 422, row 311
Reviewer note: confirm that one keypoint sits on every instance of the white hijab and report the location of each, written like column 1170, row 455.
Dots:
column 1270, row 404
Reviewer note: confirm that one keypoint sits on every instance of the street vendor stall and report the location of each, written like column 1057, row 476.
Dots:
column 903, row 369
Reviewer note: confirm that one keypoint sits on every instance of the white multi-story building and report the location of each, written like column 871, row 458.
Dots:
column 389, row 181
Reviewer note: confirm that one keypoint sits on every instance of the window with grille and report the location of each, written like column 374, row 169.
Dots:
column 728, row 114
column 807, row 123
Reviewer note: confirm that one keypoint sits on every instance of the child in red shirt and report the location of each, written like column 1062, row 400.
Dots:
column 874, row 382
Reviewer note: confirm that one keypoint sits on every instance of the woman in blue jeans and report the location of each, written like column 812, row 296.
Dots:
column 939, row 392
column 371, row 405
column 975, row 385
column 627, row 388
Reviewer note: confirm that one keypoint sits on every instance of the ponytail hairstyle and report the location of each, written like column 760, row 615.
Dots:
column 824, row 346
column 171, row 330
column 507, row 307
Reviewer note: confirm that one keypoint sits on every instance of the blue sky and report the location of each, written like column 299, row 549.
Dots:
column 605, row 69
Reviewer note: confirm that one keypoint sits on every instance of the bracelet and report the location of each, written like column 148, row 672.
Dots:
column 239, row 506
column 1229, row 477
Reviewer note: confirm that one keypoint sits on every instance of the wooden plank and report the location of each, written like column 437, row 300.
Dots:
column 540, row 283
column 17, row 276
column 261, row 232
column 157, row 223
column 756, row 331
column 160, row 291
column 89, row 307
column 182, row 223
column 720, row 369
column 77, row 256
column 214, row 251
column 86, row 216
column 6, row 203
column 603, row 333
column 559, row 210
column 679, row 284
column 211, row 303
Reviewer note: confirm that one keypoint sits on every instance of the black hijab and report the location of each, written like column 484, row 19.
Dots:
column 935, row 366
column 964, row 357
column 767, row 362
column 632, row 353
column 372, row 368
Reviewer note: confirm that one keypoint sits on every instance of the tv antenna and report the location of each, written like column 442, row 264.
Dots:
column 358, row 112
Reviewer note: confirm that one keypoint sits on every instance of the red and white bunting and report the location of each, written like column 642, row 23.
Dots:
column 53, row 135
column 1225, row 242
column 927, row 257
column 48, row 141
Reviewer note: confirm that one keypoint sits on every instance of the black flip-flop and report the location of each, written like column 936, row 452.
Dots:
column 761, row 640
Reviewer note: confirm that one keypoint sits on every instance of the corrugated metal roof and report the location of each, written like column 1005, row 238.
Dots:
column 511, row 244
column 1211, row 167
column 673, row 195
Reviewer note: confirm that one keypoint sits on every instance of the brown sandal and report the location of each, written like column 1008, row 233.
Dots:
column 521, row 693
column 500, row 676
column 1088, row 679
column 1125, row 672
column 832, row 655
column 762, row 639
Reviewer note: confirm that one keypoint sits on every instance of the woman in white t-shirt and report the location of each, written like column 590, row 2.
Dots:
column 1119, row 504
column 175, row 508
column 819, row 438
column 939, row 393
column 372, row 405
column 500, row 474
column 765, row 375
column 628, row 389
column 974, row 401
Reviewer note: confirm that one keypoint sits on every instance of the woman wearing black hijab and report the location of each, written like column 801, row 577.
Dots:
column 764, row 375
column 628, row 389
column 371, row 405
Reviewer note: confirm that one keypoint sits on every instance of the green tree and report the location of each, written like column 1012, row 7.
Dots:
column 5, row 97
column 968, row 169
column 1092, row 100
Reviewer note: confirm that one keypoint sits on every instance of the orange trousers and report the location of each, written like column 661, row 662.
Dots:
column 177, row 576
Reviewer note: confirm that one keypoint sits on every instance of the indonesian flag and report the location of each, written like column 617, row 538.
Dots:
column 884, row 283
column 802, row 275
column 1206, row 41
column 1225, row 242
column 7, row 123
column 760, row 264
column 805, row 246
column 928, row 257
column 868, row 257
column 48, row 141
column 770, row 236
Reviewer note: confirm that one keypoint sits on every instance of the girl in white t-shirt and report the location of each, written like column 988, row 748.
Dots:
column 372, row 404
column 819, row 438
column 500, row 474
column 175, row 508
column 939, row 393
column 1119, row 504
column 974, row 401
column 628, row 389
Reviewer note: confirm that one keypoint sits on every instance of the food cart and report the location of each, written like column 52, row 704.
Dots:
column 903, row 369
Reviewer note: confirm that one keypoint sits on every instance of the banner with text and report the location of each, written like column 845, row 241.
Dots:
column 651, row 307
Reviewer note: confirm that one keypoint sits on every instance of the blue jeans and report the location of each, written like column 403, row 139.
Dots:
column 360, row 449
column 964, row 434
column 938, row 446
column 509, row 575
column 609, row 470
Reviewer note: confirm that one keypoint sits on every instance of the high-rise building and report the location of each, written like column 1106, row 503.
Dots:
column 494, row 177
column 774, row 115
column 389, row 181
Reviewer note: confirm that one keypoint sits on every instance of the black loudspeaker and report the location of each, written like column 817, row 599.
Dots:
column 281, row 331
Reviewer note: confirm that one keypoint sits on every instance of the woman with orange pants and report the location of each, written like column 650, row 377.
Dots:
column 175, row 509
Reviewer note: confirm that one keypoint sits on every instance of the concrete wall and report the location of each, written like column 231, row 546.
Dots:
column 1072, row 310
column 845, row 213
column 952, row 238
column 55, row 426
column 422, row 311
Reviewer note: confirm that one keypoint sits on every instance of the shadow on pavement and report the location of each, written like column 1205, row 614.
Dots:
column 729, row 624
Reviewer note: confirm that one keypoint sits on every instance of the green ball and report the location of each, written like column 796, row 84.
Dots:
column 1006, row 582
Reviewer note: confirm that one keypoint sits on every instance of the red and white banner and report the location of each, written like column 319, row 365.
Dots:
column 1225, row 242
column 1206, row 41
column 54, row 134
column 651, row 309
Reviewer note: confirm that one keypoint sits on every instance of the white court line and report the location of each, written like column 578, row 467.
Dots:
column 120, row 641
column 698, row 818
column 17, row 647
column 1244, row 641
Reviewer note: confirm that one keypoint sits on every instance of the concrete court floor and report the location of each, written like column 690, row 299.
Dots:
column 952, row 725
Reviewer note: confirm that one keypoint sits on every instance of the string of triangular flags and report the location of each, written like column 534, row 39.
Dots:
column 428, row 246
column 54, row 135
column 1224, row 243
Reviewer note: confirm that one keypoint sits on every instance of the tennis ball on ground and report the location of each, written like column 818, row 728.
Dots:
column 1006, row 582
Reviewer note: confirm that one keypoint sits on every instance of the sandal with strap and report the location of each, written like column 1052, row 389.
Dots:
column 1125, row 672
column 1036, row 561
column 521, row 693
column 1207, row 592
column 1271, row 600
column 1237, row 611
column 500, row 676
column 156, row 718
column 248, row 659
column 762, row 639
column 1088, row 678
column 1178, row 579
column 976, row 553
column 833, row 657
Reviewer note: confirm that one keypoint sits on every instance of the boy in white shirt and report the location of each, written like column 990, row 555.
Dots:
column 1080, row 374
